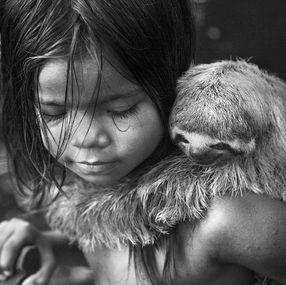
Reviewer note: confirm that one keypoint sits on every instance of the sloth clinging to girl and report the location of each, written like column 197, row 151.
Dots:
column 88, row 86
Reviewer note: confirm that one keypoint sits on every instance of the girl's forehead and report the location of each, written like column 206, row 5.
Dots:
column 86, row 78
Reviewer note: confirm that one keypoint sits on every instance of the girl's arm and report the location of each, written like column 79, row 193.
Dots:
column 250, row 231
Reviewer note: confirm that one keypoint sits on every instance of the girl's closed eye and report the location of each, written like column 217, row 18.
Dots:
column 125, row 113
column 51, row 114
column 126, row 105
column 121, row 114
column 52, row 117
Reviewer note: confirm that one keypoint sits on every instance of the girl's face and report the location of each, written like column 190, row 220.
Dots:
column 110, row 134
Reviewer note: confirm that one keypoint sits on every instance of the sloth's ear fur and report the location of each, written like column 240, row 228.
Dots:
column 176, row 189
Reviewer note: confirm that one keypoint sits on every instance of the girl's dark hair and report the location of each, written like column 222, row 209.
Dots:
column 153, row 39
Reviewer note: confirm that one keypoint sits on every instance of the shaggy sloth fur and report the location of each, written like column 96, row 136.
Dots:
column 178, row 188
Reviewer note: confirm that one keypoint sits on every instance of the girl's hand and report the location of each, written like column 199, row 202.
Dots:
column 14, row 235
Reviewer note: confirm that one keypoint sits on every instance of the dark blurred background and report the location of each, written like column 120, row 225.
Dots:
column 248, row 29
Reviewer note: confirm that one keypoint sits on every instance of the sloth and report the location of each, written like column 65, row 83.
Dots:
column 229, row 123
column 229, row 117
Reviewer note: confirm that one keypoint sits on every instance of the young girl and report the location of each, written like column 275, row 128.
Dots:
column 88, row 86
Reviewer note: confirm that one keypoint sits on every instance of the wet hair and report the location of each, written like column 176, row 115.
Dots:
column 153, row 39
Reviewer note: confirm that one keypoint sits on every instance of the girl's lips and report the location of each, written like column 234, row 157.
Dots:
column 94, row 162
column 98, row 167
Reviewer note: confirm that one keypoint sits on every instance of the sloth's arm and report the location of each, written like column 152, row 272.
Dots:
column 249, row 231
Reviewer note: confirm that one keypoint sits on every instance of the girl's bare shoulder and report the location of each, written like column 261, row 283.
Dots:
column 249, row 231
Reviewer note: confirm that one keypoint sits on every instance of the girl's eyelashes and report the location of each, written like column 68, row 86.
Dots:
column 52, row 118
column 125, row 113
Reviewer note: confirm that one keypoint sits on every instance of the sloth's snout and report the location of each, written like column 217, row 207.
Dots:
column 205, row 150
column 194, row 145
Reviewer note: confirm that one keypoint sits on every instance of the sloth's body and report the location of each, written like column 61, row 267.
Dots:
column 229, row 119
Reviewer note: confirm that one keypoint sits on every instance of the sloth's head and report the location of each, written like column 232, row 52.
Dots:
column 228, row 109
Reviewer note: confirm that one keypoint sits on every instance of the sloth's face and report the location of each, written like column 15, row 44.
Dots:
column 206, row 150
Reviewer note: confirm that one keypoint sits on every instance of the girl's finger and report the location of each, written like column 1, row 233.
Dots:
column 3, row 224
column 4, row 236
column 13, row 227
column 5, row 232
column 10, row 251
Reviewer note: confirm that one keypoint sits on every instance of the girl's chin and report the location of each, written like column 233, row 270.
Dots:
column 100, row 180
column 104, row 177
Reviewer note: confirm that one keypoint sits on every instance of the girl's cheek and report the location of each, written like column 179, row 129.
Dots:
column 47, row 144
column 50, row 142
column 123, row 125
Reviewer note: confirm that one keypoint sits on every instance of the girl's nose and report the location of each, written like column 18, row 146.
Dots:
column 91, row 133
